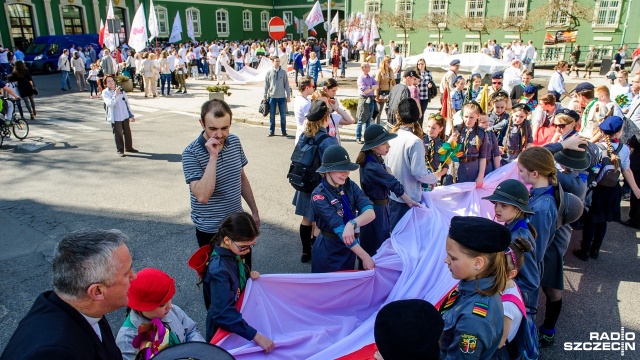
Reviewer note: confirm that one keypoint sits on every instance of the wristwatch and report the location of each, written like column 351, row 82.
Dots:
column 354, row 223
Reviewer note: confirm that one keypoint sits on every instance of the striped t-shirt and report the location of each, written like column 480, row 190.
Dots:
column 226, row 198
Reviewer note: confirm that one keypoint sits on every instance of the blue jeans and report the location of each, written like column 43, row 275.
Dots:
column 282, row 106
column 239, row 66
column 378, row 61
column 366, row 121
column 65, row 77
column 301, row 72
column 165, row 78
column 343, row 67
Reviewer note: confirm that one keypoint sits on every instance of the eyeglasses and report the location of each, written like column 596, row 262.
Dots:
column 560, row 126
column 496, row 82
column 420, row 63
column 243, row 248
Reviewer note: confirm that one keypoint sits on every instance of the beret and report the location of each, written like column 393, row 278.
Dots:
column 317, row 111
column 454, row 62
column 455, row 80
column 497, row 75
column 408, row 111
column 479, row 234
column 584, row 86
column 523, row 107
column 570, row 113
column 529, row 89
column 611, row 125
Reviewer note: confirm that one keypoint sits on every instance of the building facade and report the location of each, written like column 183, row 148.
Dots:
column 233, row 20
column 614, row 22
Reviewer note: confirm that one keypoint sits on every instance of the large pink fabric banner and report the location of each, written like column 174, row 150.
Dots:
column 326, row 316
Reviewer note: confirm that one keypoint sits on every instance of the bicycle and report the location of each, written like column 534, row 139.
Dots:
column 19, row 126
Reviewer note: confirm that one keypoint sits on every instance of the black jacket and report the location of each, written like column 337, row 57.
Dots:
column 54, row 330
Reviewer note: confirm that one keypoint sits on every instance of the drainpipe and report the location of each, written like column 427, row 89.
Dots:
column 626, row 21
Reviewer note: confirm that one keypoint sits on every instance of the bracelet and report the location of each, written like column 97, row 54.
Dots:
column 354, row 223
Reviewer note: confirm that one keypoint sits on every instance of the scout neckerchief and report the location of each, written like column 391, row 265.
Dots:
column 346, row 207
column 429, row 157
column 242, row 275
column 521, row 224
column 449, row 300
column 585, row 115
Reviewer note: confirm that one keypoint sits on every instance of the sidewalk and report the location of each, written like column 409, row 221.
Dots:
column 245, row 98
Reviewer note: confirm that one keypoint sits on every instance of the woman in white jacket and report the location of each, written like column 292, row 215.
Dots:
column 118, row 114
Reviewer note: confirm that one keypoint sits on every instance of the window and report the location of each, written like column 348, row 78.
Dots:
column 264, row 20
column 72, row 20
column 516, row 9
column 222, row 22
column 287, row 17
column 120, row 13
column 247, row 22
column 438, row 7
column 551, row 54
column 607, row 13
column 195, row 16
column 471, row 47
column 372, row 7
column 604, row 50
column 402, row 45
column 475, row 8
column 404, row 7
column 558, row 15
column 21, row 20
column 163, row 20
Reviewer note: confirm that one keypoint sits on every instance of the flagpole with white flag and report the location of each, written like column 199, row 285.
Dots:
column 138, row 33
column 373, row 34
column 190, row 32
column 176, row 30
column 109, row 38
column 315, row 16
column 152, row 25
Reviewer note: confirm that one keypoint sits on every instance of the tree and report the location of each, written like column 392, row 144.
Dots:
column 479, row 25
column 559, row 12
column 399, row 20
column 435, row 20
column 516, row 23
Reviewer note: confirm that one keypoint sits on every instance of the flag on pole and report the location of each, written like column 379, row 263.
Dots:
column 101, row 36
column 190, row 32
column 313, row 32
column 374, row 34
column 138, row 33
column 152, row 25
column 315, row 16
column 176, row 30
column 335, row 25
column 296, row 23
column 110, row 41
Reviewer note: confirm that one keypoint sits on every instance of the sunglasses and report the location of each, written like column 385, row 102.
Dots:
column 243, row 248
column 496, row 82
column 437, row 117
column 560, row 126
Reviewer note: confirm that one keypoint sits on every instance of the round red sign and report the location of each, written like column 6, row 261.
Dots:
column 277, row 28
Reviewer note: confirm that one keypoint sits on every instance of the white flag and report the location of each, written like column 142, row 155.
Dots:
column 190, row 32
column 176, row 30
column 110, row 40
column 374, row 34
column 138, row 34
column 315, row 16
column 154, row 30
column 335, row 24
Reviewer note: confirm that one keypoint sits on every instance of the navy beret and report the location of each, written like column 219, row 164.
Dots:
column 455, row 80
column 611, row 125
column 408, row 111
column 454, row 62
column 529, row 89
column 317, row 111
column 497, row 75
column 523, row 107
column 479, row 234
column 570, row 113
column 584, row 86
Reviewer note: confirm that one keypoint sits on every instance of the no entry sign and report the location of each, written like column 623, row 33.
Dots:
column 276, row 28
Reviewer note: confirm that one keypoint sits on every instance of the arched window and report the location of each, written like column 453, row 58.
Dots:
column 163, row 19
column 21, row 20
column 264, row 20
column 222, row 22
column 72, row 20
column 247, row 21
column 372, row 7
column 404, row 7
column 195, row 16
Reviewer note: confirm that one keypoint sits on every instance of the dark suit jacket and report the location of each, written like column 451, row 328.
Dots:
column 54, row 330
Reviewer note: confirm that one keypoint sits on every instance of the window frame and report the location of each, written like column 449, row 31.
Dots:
column 517, row 8
column 264, row 23
column 467, row 9
column 247, row 24
column 372, row 4
column 82, row 17
column 197, row 25
column 159, row 9
column 560, row 25
column 475, row 44
column 221, row 22
column 289, row 15
column 408, row 14
column 598, row 7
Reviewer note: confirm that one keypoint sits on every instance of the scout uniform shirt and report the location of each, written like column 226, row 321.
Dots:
column 474, row 148
column 432, row 157
column 528, row 278
column 543, row 203
column 473, row 322
column 514, row 137
column 329, row 252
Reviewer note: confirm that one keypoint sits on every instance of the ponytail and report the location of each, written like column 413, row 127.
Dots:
column 614, row 158
column 516, row 250
column 496, row 266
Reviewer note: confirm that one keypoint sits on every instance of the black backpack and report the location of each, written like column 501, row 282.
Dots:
column 305, row 160
column 605, row 173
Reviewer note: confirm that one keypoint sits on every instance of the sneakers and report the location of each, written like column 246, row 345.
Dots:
column 359, row 141
column 270, row 135
column 545, row 338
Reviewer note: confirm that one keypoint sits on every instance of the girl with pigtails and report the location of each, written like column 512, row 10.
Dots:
column 515, row 133
column 605, row 201
column 473, row 161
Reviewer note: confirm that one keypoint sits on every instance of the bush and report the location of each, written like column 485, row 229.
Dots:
column 122, row 79
column 349, row 103
column 219, row 88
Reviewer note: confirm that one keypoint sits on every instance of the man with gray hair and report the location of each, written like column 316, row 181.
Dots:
column 91, row 273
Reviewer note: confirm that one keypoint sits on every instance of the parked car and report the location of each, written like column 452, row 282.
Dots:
column 43, row 53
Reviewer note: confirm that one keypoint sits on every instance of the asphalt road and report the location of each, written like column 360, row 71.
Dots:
column 66, row 176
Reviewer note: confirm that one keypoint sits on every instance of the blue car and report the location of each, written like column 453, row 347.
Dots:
column 43, row 53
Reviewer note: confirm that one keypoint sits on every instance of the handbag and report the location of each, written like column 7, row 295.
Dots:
column 264, row 108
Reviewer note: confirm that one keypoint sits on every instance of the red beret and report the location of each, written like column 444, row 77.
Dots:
column 150, row 289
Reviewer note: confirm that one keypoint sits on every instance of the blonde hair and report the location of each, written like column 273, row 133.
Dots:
column 496, row 267
column 541, row 160
column 614, row 158
column 564, row 119
column 385, row 70
column 311, row 127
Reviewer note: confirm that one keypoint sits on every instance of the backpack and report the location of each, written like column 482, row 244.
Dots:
column 605, row 172
column 305, row 160
column 295, row 61
column 525, row 344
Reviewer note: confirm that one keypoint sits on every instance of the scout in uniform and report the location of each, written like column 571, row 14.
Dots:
column 493, row 148
column 433, row 139
column 496, row 89
column 515, row 132
column 339, row 207
column 511, row 201
column 473, row 162
column 498, row 112
column 472, row 312
column 376, row 182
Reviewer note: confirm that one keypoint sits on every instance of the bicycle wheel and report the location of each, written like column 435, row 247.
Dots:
column 20, row 128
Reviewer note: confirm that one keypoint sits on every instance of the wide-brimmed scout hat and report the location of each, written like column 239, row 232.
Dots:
column 512, row 192
column 336, row 158
column 194, row 350
column 573, row 159
column 376, row 135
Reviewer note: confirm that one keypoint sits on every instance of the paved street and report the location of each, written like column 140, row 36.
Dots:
column 66, row 176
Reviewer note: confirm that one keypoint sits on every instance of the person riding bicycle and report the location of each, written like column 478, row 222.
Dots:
column 7, row 90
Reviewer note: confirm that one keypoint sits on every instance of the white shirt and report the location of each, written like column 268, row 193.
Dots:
column 300, row 110
column 508, row 55
column 334, row 126
column 512, row 312
column 215, row 49
column 512, row 77
column 93, row 322
column 211, row 57
column 617, row 90
column 182, row 52
column 634, row 110
column 171, row 60
column 4, row 56
column 556, row 83
column 380, row 50
column 397, row 61
column 345, row 52
column 528, row 52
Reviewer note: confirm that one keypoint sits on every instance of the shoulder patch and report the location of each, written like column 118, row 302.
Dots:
column 318, row 197
column 468, row 343
column 334, row 201
column 480, row 309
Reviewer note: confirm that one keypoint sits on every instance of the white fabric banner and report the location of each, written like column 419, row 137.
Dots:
column 176, row 30
column 138, row 33
column 315, row 16
column 335, row 27
column 152, row 25
column 190, row 32
column 110, row 41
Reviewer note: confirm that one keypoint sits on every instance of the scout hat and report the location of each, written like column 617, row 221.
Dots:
column 611, row 125
column 573, row 159
column 570, row 113
column 408, row 111
column 408, row 329
column 455, row 80
column 523, row 107
column 150, row 289
column 317, row 111
column 454, row 62
column 336, row 158
column 193, row 350
column 376, row 135
column 572, row 209
column 529, row 89
column 479, row 234
column 198, row 261
column 584, row 86
column 512, row 192
column 497, row 75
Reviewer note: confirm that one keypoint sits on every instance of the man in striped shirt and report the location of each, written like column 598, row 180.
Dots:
column 213, row 168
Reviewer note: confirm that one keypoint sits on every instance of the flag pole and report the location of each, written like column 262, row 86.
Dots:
column 328, row 31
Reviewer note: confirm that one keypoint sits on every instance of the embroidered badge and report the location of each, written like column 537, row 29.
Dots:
column 480, row 309
column 318, row 197
column 334, row 201
column 468, row 343
column 450, row 300
column 340, row 213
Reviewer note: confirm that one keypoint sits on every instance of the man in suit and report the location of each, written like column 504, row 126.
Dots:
column 91, row 273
